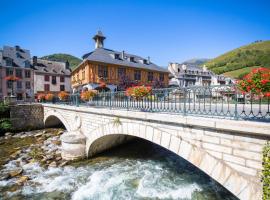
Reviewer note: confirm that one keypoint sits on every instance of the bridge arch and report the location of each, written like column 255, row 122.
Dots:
column 53, row 118
column 110, row 135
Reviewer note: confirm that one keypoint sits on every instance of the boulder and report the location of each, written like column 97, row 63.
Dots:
column 4, row 176
column 9, row 134
column 53, row 164
column 63, row 163
column 15, row 172
column 22, row 180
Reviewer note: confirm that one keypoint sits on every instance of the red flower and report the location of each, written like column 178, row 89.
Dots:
column 267, row 94
column 12, row 78
column 264, row 81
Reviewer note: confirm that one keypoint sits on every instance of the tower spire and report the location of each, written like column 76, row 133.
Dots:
column 99, row 39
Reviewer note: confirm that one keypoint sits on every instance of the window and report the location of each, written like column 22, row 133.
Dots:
column 46, row 87
column 137, row 75
column 161, row 77
column 19, row 73
column 150, row 76
column 54, row 80
column 46, row 78
column 9, row 84
column 83, row 74
column 9, row 71
column 103, row 71
column 9, row 61
column 117, row 56
column 27, row 64
column 27, row 85
column 62, row 87
column 121, row 72
column 62, row 79
column 19, row 85
column 27, row 74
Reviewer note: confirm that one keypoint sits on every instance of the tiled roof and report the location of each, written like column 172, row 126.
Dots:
column 115, row 57
column 51, row 67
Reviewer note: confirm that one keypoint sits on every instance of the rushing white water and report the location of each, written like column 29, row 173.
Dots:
column 159, row 176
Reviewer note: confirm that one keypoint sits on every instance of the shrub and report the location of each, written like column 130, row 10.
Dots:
column 5, row 125
column 88, row 95
column 4, row 111
column 49, row 97
column 138, row 92
column 63, row 95
column 257, row 82
column 266, row 172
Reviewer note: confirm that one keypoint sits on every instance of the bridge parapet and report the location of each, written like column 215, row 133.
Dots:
column 228, row 151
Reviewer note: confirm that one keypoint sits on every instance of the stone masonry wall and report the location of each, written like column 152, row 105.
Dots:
column 27, row 116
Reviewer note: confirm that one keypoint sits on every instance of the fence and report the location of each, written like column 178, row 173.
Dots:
column 215, row 101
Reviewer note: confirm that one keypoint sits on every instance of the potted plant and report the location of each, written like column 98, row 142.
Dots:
column 41, row 97
column 49, row 97
column 88, row 95
column 63, row 96
column 138, row 92
column 257, row 83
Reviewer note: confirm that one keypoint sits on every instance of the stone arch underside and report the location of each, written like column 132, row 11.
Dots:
column 113, row 135
column 54, row 118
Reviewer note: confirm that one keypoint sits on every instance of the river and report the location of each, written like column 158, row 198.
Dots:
column 137, row 170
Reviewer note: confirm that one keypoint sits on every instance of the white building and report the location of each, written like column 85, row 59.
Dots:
column 185, row 75
column 51, row 76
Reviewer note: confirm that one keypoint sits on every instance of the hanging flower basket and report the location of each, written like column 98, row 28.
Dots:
column 49, row 97
column 88, row 95
column 41, row 97
column 12, row 78
column 63, row 96
column 257, row 82
column 138, row 92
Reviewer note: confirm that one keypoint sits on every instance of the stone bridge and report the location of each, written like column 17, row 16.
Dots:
column 228, row 151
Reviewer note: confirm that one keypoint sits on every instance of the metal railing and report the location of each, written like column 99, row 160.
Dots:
column 223, row 101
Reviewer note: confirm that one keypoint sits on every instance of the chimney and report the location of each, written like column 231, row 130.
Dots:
column 123, row 55
column 34, row 60
column 67, row 64
column 148, row 60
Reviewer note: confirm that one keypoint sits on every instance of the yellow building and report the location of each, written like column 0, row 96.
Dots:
column 114, row 68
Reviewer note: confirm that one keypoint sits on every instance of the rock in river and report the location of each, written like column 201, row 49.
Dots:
column 22, row 180
column 4, row 176
column 16, row 172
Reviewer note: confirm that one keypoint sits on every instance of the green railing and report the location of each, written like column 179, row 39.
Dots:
column 214, row 101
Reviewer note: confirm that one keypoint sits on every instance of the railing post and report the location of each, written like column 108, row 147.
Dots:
column 127, row 102
column 235, row 105
column 77, row 100
column 110, row 100
column 185, row 103
column 151, row 107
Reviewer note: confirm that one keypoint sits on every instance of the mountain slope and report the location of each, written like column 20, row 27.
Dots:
column 60, row 57
column 196, row 61
column 235, row 61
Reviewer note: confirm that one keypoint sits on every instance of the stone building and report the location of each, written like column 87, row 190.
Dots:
column 51, row 76
column 15, row 61
column 185, row 75
column 106, row 66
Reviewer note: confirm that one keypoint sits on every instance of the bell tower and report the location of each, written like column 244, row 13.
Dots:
column 99, row 40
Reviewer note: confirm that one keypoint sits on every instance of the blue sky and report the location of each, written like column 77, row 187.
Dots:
column 167, row 31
